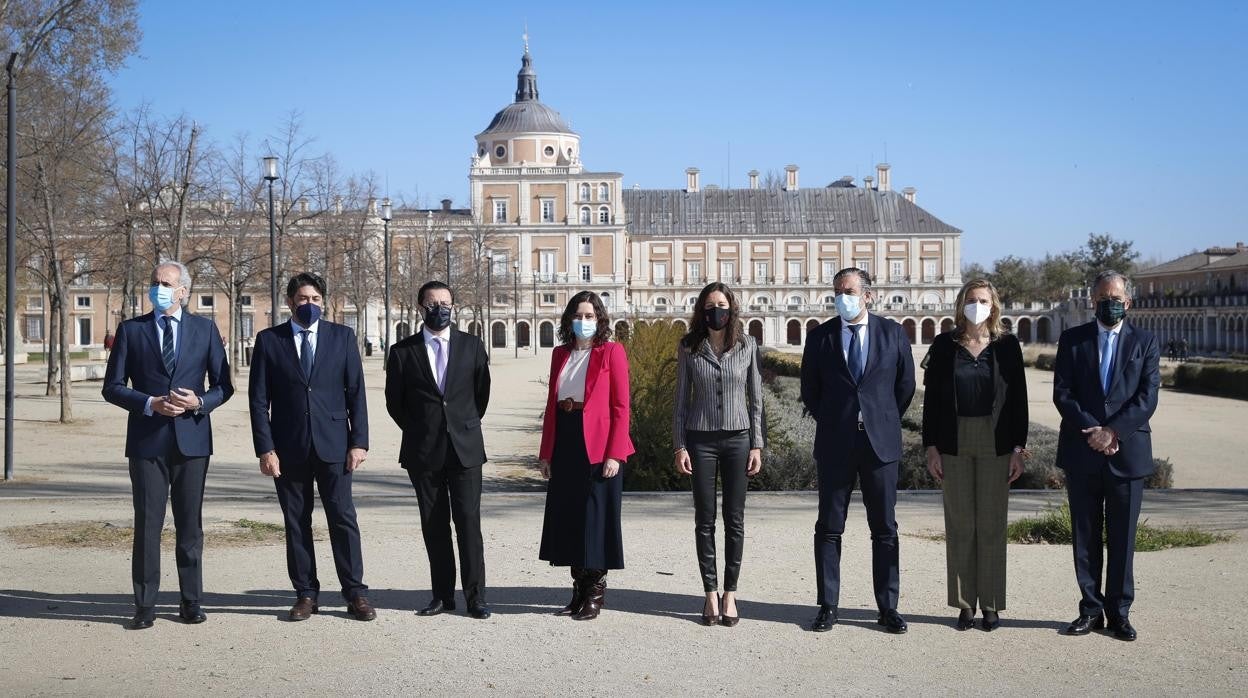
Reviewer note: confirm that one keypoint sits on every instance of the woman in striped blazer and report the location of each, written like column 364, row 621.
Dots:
column 717, row 429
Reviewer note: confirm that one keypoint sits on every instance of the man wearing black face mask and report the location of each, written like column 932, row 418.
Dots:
column 309, row 422
column 1105, row 385
column 437, row 389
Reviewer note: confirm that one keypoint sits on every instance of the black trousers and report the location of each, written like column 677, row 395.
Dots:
column 837, row 472
column 452, row 492
column 294, row 493
column 1103, row 501
column 153, row 482
column 726, row 454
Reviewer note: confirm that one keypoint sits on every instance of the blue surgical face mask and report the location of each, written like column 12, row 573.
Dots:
column 307, row 314
column 585, row 329
column 848, row 307
column 161, row 297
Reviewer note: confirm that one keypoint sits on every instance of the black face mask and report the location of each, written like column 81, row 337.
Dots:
column 1110, row 312
column 438, row 317
column 716, row 318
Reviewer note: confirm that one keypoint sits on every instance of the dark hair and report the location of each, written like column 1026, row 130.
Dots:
column 432, row 286
column 698, row 331
column 863, row 277
column 567, row 336
column 305, row 278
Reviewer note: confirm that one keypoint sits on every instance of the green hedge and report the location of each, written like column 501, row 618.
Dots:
column 781, row 364
column 1226, row 380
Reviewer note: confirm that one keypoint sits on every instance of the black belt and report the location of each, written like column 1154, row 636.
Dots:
column 569, row 405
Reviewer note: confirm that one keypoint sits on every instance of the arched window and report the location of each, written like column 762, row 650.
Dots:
column 796, row 300
column 829, row 300
column 762, row 300
column 585, row 215
column 603, row 192
column 897, row 299
column 660, row 302
column 693, row 300
column 604, row 214
column 584, row 192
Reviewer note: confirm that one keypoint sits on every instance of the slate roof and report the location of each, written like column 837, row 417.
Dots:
column 1239, row 259
column 1225, row 257
column 527, row 117
column 824, row 211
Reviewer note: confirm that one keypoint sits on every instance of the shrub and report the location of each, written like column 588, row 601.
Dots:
column 1052, row 526
column 782, row 364
column 652, row 375
column 1226, row 380
column 788, row 459
column 1045, row 361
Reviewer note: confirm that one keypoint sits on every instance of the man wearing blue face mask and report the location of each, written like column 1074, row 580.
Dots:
column 857, row 381
column 166, row 357
column 437, row 389
column 1105, row 383
column 309, row 424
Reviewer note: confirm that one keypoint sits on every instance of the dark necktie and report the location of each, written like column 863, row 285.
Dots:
column 855, row 353
column 166, row 346
column 305, row 353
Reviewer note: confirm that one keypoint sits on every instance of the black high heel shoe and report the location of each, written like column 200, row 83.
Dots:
column 966, row 619
column 709, row 618
column 724, row 619
column 991, row 621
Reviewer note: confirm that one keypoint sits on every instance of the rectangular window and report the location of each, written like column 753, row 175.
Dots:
column 896, row 270
column 728, row 271
column 762, row 272
column 500, row 210
column 546, row 265
column 206, row 301
column 795, row 272
column 34, row 302
column 829, row 270
column 548, row 210
column 587, row 247
column 660, row 272
column 693, row 270
column 248, row 324
column 586, row 272
column 548, row 299
column 82, row 301
column 863, row 264
column 929, row 270
column 604, row 215
column 500, row 264
column 34, row 328
column 245, row 301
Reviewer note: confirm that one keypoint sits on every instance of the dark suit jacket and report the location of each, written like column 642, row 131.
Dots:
column 136, row 359
column 940, row 408
column 834, row 400
column 1131, row 401
column 298, row 417
column 431, row 421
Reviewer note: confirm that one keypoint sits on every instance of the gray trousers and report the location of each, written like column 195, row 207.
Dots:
column 977, row 496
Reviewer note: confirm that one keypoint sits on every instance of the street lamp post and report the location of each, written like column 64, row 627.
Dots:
column 386, row 213
column 270, row 175
column 533, row 327
column 10, row 286
column 448, row 258
column 489, row 303
column 515, row 297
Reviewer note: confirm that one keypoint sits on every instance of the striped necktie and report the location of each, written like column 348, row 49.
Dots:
column 166, row 345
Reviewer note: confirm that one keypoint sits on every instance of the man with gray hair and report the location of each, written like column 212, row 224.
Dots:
column 168, row 370
column 1105, row 383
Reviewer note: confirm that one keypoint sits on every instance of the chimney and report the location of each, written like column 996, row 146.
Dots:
column 790, row 177
column 886, row 183
column 868, row 182
column 302, row 204
column 446, row 204
column 753, row 179
column 908, row 192
column 691, row 180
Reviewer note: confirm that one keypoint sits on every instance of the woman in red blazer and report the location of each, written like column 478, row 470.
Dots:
column 584, row 442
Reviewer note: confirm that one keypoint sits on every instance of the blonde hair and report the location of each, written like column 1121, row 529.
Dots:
column 960, row 323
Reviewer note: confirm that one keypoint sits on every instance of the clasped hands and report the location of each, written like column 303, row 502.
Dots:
column 271, row 465
column 1102, row 440
column 178, row 400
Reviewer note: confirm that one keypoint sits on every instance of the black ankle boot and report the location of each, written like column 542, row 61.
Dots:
column 595, row 585
column 578, row 594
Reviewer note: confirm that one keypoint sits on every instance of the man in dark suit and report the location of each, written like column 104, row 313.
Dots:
column 309, row 422
column 167, row 356
column 437, row 389
column 1105, row 385
column 857, row 381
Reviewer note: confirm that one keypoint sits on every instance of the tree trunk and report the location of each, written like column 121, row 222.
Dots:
column 53, row 384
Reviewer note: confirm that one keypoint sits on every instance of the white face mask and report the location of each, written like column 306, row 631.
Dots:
column 976, row 313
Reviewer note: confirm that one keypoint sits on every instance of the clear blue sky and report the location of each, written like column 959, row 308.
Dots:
column 1028, row 125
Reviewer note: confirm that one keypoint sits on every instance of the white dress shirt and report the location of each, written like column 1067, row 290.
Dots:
column 296, row 329
column 444, row 336
column 572, row 377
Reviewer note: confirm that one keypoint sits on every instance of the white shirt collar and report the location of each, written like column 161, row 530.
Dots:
column 296, row 328
column 1112, row 330
column 444, row 335
column 177, row 314
column 865, row 319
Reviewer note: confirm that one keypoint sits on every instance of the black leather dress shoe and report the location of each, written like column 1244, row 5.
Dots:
column 435, row 607
column 143, row 619
column 1085, row 624
column 1122, row 630
column 892, row 621
column 990, row 622
column 824, row 620
column 966, row 619
column 191, row 613
column 479, row 611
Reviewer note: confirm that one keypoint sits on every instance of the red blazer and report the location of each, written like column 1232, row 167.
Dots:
column 606, row 414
